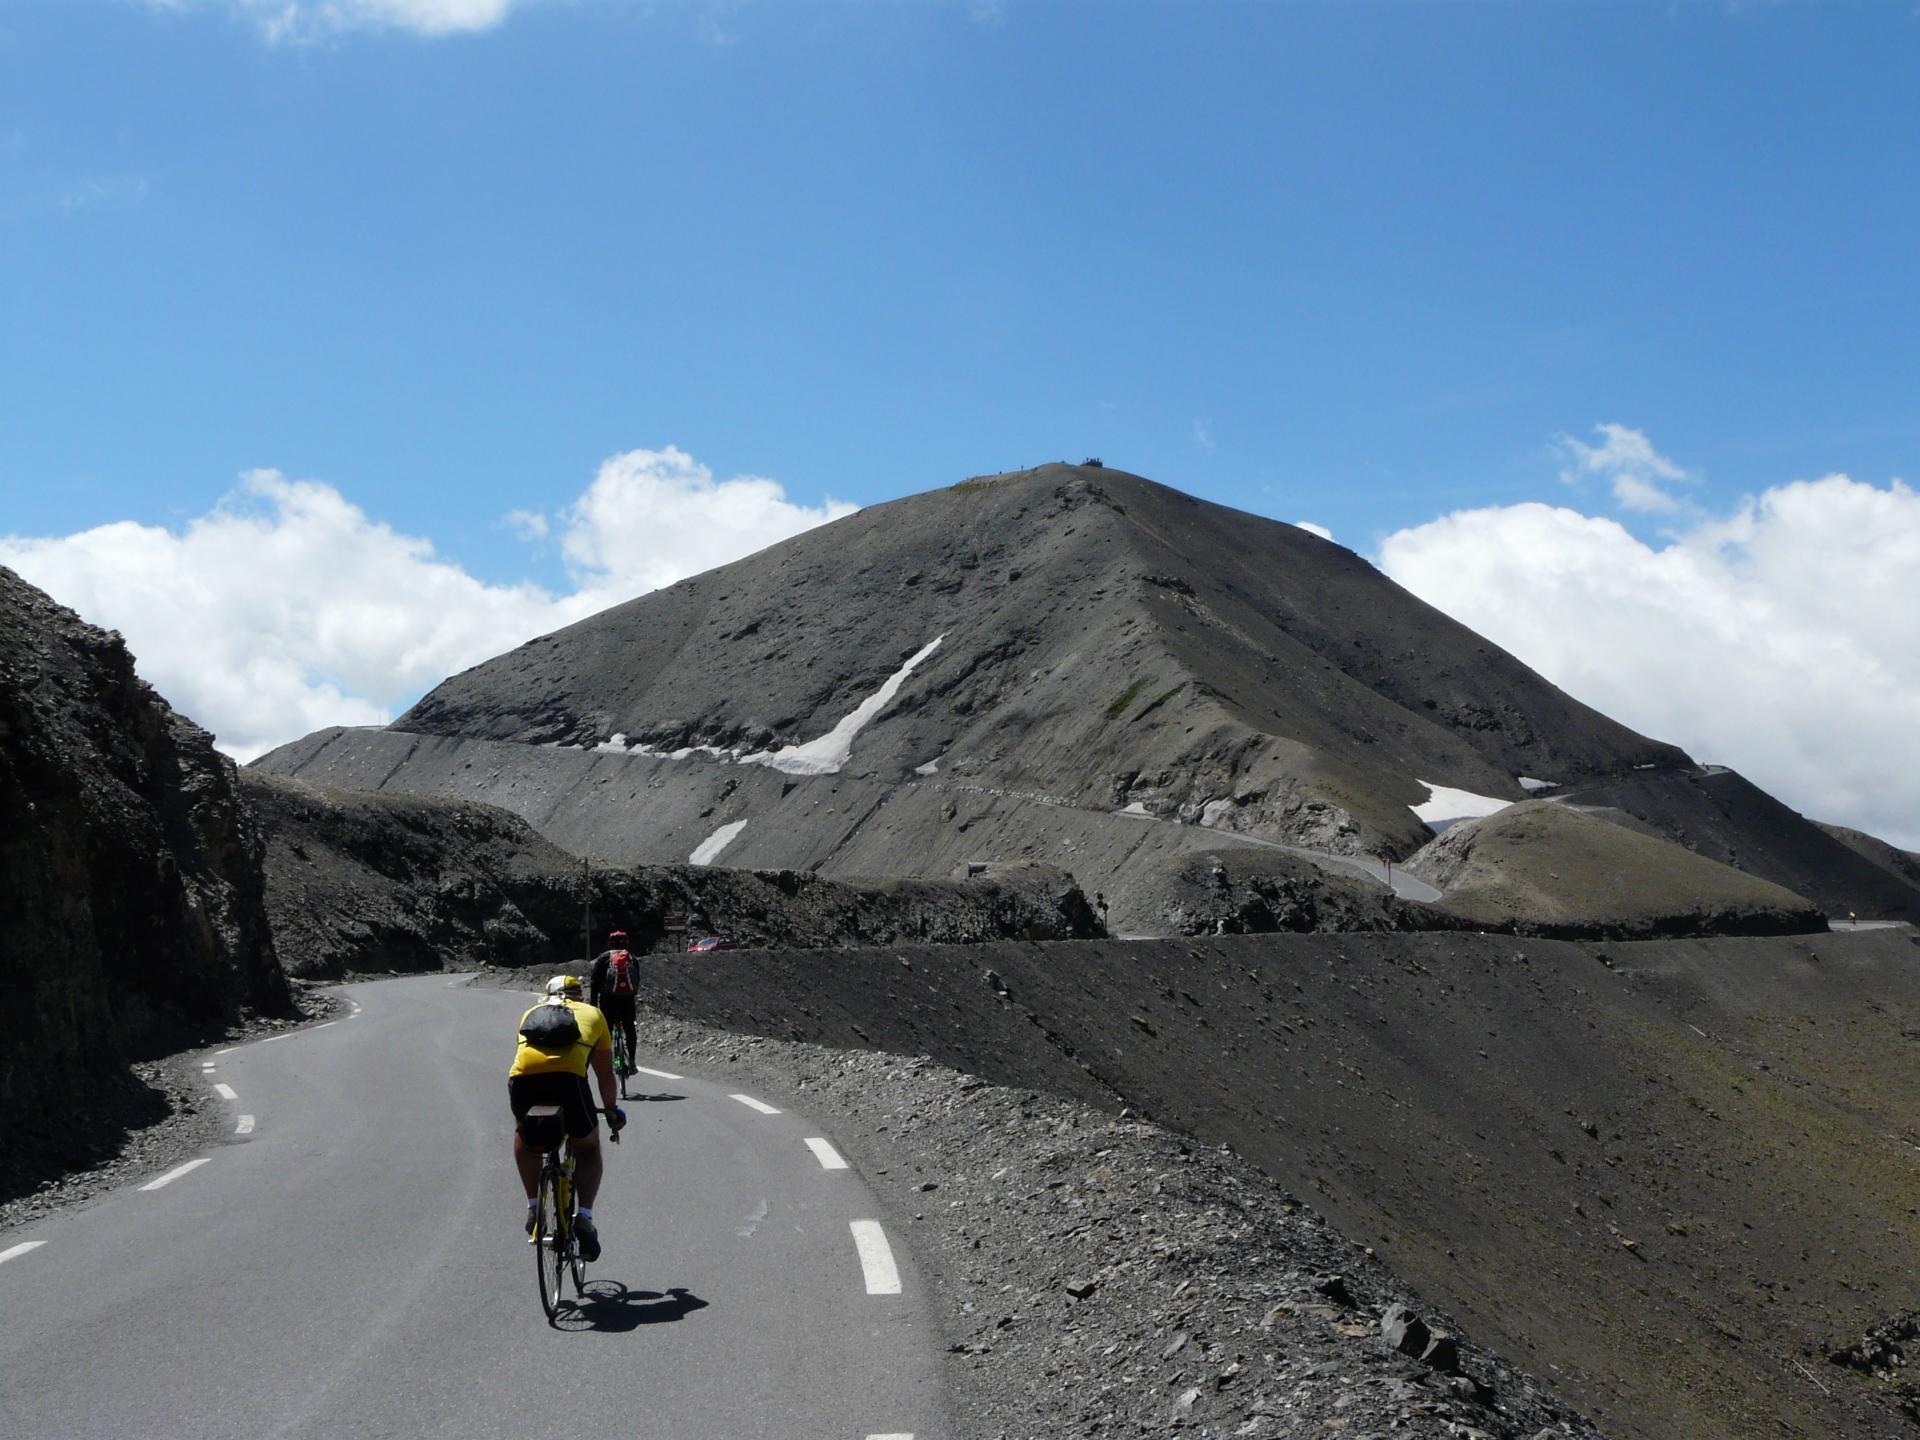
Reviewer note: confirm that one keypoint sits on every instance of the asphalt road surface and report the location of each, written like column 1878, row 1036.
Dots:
column 351, row 1263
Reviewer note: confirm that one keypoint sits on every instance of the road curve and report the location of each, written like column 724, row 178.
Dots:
column 350, row 1263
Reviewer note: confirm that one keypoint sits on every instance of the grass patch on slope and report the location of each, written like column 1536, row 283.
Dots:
column 1157, row 701
column 1126, row 698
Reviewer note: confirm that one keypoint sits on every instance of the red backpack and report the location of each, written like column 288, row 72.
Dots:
column 619, row 973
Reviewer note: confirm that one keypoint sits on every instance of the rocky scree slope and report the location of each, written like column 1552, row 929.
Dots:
column 366, row 883
column 132, row 917
column 1098, row 1274
column 1901, row 864
column 1677, row 1175
column 1059, row 664
column 1541, row 868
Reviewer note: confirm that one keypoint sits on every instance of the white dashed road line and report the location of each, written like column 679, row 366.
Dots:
column 753, row 1104
column 828, row 1157
column 175, row 1173
column 876, row 1257
column 658, row 1074
column 245, row 1127
column 22, row 1248
column 225, row 1091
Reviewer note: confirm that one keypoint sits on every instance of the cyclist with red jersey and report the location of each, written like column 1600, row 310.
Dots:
column 611, row 988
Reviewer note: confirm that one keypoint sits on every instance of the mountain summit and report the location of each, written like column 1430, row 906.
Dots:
column 1076, row 632
column 1033, row 665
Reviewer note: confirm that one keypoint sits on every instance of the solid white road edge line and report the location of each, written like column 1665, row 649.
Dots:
column 876, row 1257
column 245, row 1127
column 324, row 1026
column 175, row 1173
column 22, row 1248
column 824, row 1152
column 228, row 1051
column 225, row 1091
column 753, row 1104
column 661, row 1074
column 893, row 1435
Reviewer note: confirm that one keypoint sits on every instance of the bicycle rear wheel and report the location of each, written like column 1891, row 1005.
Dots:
column 551, row 1241
column 622, row 1061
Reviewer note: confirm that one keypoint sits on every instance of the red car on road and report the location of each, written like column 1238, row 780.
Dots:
column 705, row 944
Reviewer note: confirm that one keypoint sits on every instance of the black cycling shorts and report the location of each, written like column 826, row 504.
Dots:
column 569, row 1092
column 617, row 1007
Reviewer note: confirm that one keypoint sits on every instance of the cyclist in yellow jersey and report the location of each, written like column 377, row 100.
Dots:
column 550, row 1068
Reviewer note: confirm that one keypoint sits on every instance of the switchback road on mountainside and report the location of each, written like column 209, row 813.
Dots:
column 351, row 1263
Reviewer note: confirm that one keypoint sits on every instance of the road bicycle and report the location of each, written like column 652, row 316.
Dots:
column 622, row 1061
column 555, row 1239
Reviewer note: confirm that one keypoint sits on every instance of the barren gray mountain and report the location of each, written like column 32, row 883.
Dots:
column 1069, row 664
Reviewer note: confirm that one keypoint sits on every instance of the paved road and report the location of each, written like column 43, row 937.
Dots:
column 354, row 1266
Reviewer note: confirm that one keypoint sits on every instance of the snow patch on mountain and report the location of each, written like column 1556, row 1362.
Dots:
column 708, row 850
column 1444, row 805
column 829, row 754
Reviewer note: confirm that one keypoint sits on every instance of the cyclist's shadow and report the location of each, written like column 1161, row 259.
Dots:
column 608, row 1305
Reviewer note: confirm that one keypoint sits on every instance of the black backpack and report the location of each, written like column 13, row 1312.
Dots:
column 551, row 1027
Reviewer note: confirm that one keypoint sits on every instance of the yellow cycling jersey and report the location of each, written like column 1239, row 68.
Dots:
column 528, row 1060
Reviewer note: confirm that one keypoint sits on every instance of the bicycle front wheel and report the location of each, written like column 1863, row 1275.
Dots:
column 550, row 1244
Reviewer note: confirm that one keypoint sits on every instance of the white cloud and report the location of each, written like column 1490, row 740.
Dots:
column 1322, row 531
column 1626, row 459
column 1634, row 493
column 298, row 21
column 1783, row 640
column 527, row 524
column 652, row 517
column 287, row 607
column 1203, row 434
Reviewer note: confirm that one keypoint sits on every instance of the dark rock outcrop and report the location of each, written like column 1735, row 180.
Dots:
column 131, row 913
column 1245, row 891
column 364, row 883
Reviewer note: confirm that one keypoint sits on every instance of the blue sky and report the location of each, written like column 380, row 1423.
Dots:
column 1366, row 265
